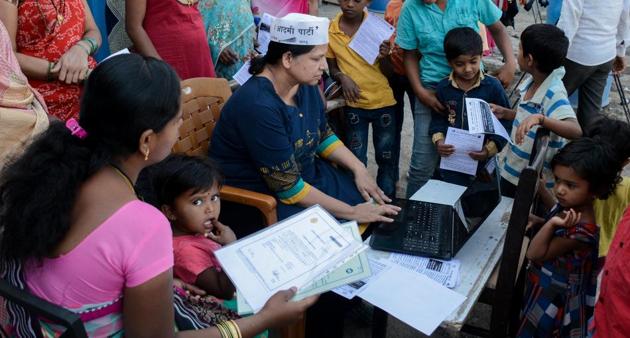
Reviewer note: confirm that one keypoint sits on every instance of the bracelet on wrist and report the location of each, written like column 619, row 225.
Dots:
column 92, row 43
column 542, row 120
column 83, row 48
column 49, row 76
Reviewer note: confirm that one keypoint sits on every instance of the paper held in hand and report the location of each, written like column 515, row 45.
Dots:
column 482, row 120
column 367, row 40
column 464, row 143
column 294, row 252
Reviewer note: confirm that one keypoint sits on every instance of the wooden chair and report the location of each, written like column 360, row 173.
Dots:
column 202, row 101
column 39, row 308
column 505, row 288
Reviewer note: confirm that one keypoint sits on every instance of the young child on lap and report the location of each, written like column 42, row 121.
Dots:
column 186, row 189
column 464, row 48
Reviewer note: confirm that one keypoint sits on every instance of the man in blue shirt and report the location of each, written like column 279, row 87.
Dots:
column 421, row 30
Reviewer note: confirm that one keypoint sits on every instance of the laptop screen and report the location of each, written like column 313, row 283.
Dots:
column 479, row 200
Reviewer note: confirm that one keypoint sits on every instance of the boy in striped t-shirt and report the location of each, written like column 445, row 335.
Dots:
column 543, row 103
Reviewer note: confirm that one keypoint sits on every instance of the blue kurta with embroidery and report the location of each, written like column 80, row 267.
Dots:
column 264, row 145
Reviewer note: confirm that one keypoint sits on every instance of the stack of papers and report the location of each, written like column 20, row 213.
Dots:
column 297, row 252
column 354, row 270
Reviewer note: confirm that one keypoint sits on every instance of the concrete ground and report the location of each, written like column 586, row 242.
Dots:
column 358, row 321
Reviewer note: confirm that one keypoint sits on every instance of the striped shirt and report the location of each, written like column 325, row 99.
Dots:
column 550, row 99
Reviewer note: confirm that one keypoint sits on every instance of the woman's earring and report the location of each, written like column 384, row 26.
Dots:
column 146, row 155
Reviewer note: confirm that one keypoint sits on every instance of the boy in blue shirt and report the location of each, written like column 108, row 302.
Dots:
column 463, row 48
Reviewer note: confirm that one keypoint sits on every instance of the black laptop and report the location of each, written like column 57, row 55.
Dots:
column 436, row 230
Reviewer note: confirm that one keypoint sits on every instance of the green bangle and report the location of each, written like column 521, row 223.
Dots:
column 92, row 42
column 49, row 77
column 84, row 49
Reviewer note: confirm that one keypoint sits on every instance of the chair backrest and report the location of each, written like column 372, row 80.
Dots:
column 507, row 292
column 39, row 308
column 202, row 101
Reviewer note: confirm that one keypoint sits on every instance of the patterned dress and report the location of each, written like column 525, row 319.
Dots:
column 560, row 295
column 46, row 30
column 228, row 24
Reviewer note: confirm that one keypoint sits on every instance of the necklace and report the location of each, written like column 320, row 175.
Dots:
column 125, row 178
column 59, row 18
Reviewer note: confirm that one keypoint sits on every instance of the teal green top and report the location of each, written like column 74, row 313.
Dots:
column 423, row 27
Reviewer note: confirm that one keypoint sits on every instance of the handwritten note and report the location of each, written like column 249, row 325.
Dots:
column 464, row 143
column 367, row 40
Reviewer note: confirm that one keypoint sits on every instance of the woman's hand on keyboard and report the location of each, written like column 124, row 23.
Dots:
column 369, row 212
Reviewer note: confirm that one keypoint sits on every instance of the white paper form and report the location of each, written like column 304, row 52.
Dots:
column 291, row 253
column 413, row 298
column 264, row 33
column 443, row 272
column 464, row 143
column 349, row 291
column 368, row 38
column 242, row 75
column 482, row 120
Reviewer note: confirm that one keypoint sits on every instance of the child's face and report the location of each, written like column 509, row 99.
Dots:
column 570, row 189
column 466, row 67
column 353, row 9
column 194, row 213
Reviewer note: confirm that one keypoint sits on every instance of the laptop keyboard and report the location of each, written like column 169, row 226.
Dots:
column 422, row 229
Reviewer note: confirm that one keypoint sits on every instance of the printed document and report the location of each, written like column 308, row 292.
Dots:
column 264, row 33
column 482, row 120
column 443, row 272
column 349, row 291
column 242, row 75
column 368, row 38
column 464, row 143
column 354, row 270
column 294, row 252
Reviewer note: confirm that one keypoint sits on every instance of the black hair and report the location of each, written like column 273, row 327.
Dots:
column 462, row 41
column 274, row 55
column 123, row 97
column 163, row 182
column 593, row 161
column 613, row 131
column 547, row 45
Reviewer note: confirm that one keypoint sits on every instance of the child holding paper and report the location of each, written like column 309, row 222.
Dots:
column 367, row 92
column 561, row 277
column 543, row 103
column 463, row 48
column 186, row 189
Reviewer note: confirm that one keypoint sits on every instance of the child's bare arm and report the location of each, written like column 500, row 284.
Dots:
column 350, row 89
column 502, row 112
column 567, row 128
column 216, row 283
column 545, row 246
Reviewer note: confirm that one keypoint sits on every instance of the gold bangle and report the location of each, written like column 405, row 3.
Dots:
column 237, row 330
column 223, row 331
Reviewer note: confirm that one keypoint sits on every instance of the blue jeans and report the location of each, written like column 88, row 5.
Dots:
column 424, row 156
column 384, row 137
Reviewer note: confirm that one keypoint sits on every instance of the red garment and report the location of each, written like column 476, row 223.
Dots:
column 178, row 34
column 194, row 255
column 612, row 310
column 41, row 35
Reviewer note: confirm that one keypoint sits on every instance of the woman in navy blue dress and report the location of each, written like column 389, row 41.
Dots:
column 273, row 136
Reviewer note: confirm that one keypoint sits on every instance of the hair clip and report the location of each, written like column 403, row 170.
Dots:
column 75, row 128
